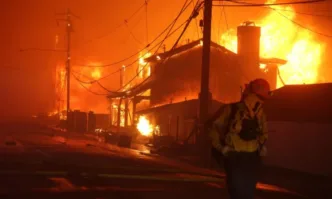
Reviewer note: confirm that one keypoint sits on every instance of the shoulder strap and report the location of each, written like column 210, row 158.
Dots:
column 234, row 108
column 215, row 116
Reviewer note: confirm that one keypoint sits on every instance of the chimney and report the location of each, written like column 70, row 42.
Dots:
column 248, row 36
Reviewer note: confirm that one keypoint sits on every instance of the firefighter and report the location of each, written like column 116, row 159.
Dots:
column 239, row 134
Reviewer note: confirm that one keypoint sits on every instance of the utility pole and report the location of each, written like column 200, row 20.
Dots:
column 205, row 95
column 69, row 30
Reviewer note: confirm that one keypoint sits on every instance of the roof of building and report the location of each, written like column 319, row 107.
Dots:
column 184, row 48
column 303, row 103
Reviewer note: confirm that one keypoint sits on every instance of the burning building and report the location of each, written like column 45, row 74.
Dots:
column 176, row 80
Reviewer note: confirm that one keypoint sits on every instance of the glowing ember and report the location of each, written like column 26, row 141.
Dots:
column 96, row 74
column 144, row 126
column 282, row 39
column 262, row 66
column 50, row 114
column 142, row 57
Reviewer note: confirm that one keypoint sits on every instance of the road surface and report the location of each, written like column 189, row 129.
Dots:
column 40, row 162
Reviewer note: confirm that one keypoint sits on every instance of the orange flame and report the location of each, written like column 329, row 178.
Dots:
column 282, row 39
column 144, row 68
column 60, row 88
column 144, row 126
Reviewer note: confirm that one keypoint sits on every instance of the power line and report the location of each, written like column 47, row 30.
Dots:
column 286, row 3
column 80, row 74
column 194, row 14
column 184, row 7
column 132, row 63
column 86, row 88
column 83, row 82
column 138, row 52
column 302, row 26
column 219, row 22
column 279, row 75
column 303, row 13
column 225, row 16
column 108, row 75
column 247, row 4
column 169, row 33
column 133, row 36
column 146, row 21
column 196, row 22
column 118, row 26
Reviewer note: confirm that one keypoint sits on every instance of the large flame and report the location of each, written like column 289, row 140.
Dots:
column 78, row 93
column 281, row 38
column 60, row 88
column 144, row 126
column 144, row 69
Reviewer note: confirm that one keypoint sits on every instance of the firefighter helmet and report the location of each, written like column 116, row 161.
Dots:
column 260, row 87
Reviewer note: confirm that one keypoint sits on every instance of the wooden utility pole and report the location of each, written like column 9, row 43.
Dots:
column 69, row 30
column 205, row 95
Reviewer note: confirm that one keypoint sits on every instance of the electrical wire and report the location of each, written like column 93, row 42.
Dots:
column 279, row 75
column 133, row 36
column 116, row 27
column 302, row 26
column 303, row 13
column 135, row 61
column 145, row 80
column 184, row 7
column 84, row 82
column 138, row 52
column 108, row 75
column 174, row 46
column 146, row 21
column 170, row 27
column 247, row 4
column 286, row 3
column 95, row 93
column 225, row 16
column 196, row 22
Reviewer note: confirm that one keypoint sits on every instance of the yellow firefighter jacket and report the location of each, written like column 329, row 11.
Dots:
column 224, row 133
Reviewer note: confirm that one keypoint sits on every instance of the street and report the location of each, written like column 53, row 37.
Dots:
column 43, row 163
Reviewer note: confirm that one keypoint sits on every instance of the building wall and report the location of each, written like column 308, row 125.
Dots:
column 303, row 147
column 102, row 120
column 179, row 77
column 186, row 112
